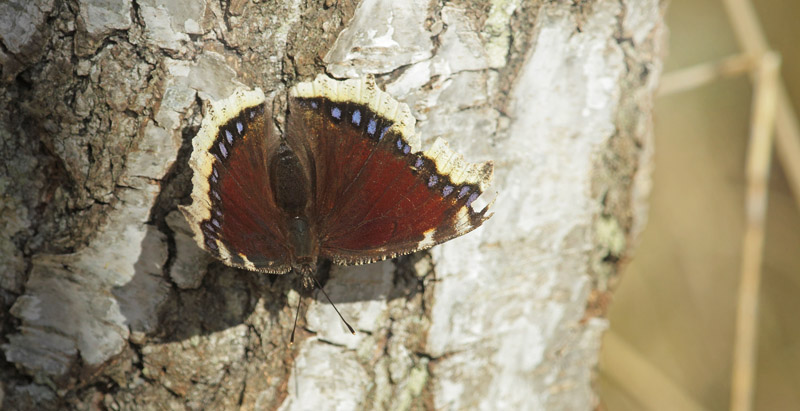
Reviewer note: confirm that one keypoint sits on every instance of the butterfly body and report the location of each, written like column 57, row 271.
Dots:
column 292, row 190
column 345, row 181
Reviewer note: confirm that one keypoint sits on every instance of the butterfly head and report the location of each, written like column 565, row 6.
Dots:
column 306, row 271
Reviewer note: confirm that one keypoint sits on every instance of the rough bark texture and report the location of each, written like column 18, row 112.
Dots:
column 106, row 300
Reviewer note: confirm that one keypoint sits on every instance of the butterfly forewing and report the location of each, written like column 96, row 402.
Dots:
column 233, row 212
column 375, row 196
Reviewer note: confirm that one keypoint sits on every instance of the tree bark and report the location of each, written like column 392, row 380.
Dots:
column 107, row 301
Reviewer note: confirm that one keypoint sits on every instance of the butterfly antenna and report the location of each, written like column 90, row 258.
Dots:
column 294, row 327
column 352, row 331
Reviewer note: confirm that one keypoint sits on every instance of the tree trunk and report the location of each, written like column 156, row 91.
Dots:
column 107, row 301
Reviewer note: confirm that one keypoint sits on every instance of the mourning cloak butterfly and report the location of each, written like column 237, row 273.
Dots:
column 345, row 182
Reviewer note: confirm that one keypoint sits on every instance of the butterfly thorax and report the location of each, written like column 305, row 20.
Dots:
column 304, row 247
column 292, row 191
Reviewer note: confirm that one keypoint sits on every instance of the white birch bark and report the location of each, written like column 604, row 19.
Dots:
column 106, row 299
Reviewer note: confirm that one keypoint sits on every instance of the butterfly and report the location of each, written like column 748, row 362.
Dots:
column 345, row 181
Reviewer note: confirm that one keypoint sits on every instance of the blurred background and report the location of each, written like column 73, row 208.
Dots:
column 671, row 340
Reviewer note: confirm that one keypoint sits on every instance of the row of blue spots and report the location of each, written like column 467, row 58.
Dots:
column 372, row 128
column 355, row 118
column 211, row 234
column 229, row 137
column 210, row 227
column 401, row 145
column 472, row 197
column 433, row 180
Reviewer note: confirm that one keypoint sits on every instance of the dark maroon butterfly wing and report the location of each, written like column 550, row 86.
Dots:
column 376, row 196
column 233, row 213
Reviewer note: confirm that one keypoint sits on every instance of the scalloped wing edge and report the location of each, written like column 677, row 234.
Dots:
column 365, row 91
column 219, row 113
